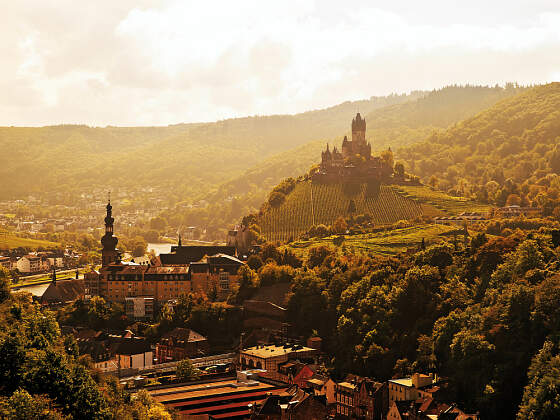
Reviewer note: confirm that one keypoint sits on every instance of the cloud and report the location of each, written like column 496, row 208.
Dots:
column 161, row 62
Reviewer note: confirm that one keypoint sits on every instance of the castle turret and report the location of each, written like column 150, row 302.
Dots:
column 109, row 253
column 358, row 130
column 346, row 147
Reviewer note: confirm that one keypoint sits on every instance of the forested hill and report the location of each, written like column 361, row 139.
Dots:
column 390, row 126
column 505, row 154
column 408, row 122
column 76, row 157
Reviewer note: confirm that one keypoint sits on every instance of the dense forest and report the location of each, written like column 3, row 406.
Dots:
column 44, row 377
column 506, row 154
column 481, row 311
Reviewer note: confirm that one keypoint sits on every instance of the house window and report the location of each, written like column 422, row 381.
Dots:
column 224, row 280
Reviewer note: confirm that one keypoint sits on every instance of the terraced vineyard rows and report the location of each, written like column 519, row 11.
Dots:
column 441, row 201
column 389, row 242
column 312, row 204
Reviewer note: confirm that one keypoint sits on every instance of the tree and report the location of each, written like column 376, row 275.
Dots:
column 186, row 370
column 541, row 395
column 399, row 169
column 554, row 160
column 433, row 182
column 5, row 282
column 276, row 198
column 513, row 200
column 351, row 207
column 317, row 255
column 23, row 406
column 387, row 157
column 339, row 225
column 158, row 223
column 254, row 262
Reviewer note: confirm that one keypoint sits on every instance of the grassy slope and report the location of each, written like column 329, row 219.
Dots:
column 385, row 242
column 441, row 201
column 10, row 241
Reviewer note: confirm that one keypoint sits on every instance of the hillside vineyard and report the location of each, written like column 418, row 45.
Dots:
column 312, row 204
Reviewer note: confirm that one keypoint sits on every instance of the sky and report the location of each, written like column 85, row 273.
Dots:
column 146, row 62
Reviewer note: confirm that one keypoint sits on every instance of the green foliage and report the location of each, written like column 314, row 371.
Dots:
column 23, row 406
column 254, row 262
column 186, row 370
column 382, row 242
column 5, row 283
column 506, row 154
column 272, row 273
column 473, row 315
column 541, row 396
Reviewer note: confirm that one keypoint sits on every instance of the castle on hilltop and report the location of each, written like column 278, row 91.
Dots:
column 355, row 159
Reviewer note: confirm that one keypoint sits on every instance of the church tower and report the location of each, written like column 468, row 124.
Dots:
column 109, row 253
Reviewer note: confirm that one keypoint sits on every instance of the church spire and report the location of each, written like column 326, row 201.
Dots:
column 109, row 252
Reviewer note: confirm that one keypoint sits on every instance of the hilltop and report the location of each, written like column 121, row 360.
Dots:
column 395, row 126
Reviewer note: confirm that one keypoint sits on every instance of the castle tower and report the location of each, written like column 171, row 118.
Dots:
column 358, row 130
column 346, row 147
column 109, row 253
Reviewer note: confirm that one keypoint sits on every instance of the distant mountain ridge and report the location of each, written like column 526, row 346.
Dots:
column 76, row 157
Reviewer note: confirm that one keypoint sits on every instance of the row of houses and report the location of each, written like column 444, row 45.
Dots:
column 414, row 397
column 33, row 263
column 111, row 351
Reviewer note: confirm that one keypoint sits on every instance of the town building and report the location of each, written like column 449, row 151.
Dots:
column 344, row 392
column 62, row 292
column 202, row 269
column 215, row 273
column 426, row 408
column 416, row 386
column 296, row 372
column 361, row 397
column 102, row 346
column 139, row 308
column 225, row 398
column 29, row 264
column 269, row 357
column 181, row 343
column 293, row 403
column 134, row 353
column 323, row 385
